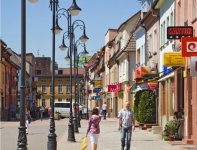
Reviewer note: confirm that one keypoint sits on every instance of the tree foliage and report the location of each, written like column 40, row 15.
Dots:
column 82, row 60
column 144, row 106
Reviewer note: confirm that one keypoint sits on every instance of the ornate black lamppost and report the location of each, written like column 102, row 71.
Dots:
column 73, row 10
column 77, row 93
column 72, row 44
column 22, row 138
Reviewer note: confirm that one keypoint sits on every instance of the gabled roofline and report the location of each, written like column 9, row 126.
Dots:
column 128, row 20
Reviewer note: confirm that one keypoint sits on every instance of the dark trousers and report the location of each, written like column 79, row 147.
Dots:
column 126, row 134
column 104, row 114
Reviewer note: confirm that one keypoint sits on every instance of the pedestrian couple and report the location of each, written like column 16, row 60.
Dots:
column 126, row 122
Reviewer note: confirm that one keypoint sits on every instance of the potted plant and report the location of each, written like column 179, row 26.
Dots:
column 170, row 130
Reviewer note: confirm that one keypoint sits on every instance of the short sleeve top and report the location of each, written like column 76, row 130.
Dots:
column 126, row 116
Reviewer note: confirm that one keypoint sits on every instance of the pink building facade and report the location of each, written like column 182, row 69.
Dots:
column 186, row 15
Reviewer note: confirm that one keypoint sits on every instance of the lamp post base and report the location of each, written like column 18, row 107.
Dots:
column 22, row 138
column 71, row 134
column 75, row 125
column 52, row 143
column 79, row 120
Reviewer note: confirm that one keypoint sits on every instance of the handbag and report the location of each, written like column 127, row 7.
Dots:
column 84, row 143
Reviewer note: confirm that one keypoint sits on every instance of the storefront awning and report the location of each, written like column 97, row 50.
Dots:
column 141, row 71
column 170, row 75
column 131, row 88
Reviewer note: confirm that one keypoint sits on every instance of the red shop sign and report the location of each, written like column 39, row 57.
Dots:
column 176, row 32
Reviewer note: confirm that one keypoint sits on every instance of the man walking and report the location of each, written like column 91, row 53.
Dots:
column 126, row 121
column 104, row 110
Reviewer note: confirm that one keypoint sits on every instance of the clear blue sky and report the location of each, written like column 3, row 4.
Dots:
column 98, row 15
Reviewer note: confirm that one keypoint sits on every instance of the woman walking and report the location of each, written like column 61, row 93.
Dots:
column 93, row 128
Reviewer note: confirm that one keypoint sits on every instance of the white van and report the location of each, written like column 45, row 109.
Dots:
column 63, row 108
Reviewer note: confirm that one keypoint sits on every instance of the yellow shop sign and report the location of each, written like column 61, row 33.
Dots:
column 173, row 59
column 97, row 83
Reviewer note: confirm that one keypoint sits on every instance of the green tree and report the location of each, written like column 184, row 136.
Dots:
column 146, row 107
column 136, row 104
column 82, row 60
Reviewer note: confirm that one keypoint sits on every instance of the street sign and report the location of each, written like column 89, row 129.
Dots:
column 193, row 69
column 173, row 59
column 176, row 32
column 189, row 46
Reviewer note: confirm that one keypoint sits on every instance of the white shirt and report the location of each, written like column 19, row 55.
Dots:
column 104, row 107
column 126, row 116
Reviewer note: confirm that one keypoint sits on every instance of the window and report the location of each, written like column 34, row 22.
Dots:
column 60, row 90
column 194, row 10
column 124, row 67
column 38, row 72
column 43, row 86
column 141, row 54
column 150, row 45
column 167, row 24
column 43, row 103
column 171, row 19
column 59, row 99
column 167, row 21
column 164, row 32
column 155, row 41
column 161, row 42
column 67, row 88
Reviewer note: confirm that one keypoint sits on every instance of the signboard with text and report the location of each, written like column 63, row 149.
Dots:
column 189, row 46
column 97, row 83
column 173, row 59
column 114, row 88
column 176, row 32
column 193, row 70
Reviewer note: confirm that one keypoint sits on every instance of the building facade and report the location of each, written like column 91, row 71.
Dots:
column 187, row 16
column 62, row 82
column 9, row 82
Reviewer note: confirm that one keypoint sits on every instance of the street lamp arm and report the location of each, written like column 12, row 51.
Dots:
column 62, row 12
column 77, row 22
column 65, row 35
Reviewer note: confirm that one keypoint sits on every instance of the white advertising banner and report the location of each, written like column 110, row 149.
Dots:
column 193, row 71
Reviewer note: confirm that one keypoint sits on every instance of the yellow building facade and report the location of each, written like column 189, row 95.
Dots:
column 62, row 90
